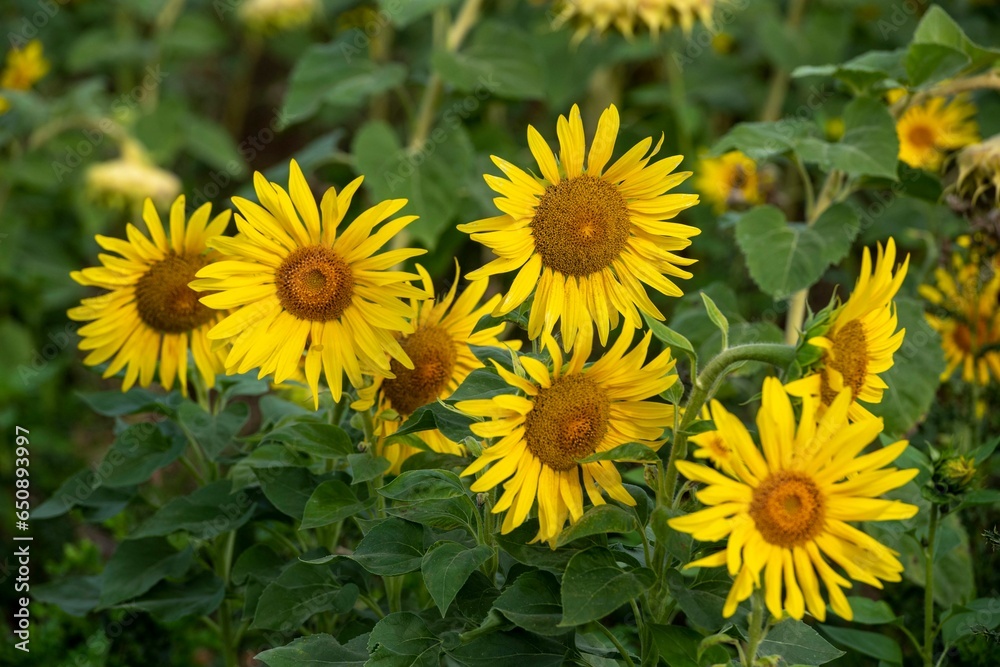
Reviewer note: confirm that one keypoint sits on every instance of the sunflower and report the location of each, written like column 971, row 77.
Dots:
column 968, row 321
column 786, row 511
column 149, row 313
column 598, row 15
column 728, row 180
column 585, row 240
column 929, row 130
column 23, row 69
column 131, row 179
column 979, row 171
column 566, row 415
column 442, row 359
column 301, row 288
column 712, row 446
column 277, row 15
column 861, row 338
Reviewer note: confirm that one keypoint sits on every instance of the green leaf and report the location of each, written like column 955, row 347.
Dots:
column 419, row 485
column 678, row 647
column 77, row 596
column 860, row 73
column 405, row 13
column 258, row 560
column 838, row 226
column 979, row 613
column 798, row 644
column 391, row 547
column 630, row 451
column 134, row 401
column 325, row 441
column 595, row 585
column 447, row 566
column 210, row 511
column 481, row 383
column 366, row 467
column 869, row 146
column 599, row 520
column 84, row 489
column 701, row 600
column 170, row 601
column 288, row 488
column 670, row 337
column 320, row 650
column 676, row 543
column 516, row 545
column 138, row 452
column 138, row 565
column 212, row 144
column 869, row 643
column 403, row 639
column 913, row 378
column 213, row 432
column 717, row 318
column 499, row 59
column 332, row 501
column 301, row 591
column 936, row 27
column 782, row 258
column 339, row 75
column 532, row 602
column 870, row 612
column 932, row 63
column 453, row 425
column 510, row 648
column 762, row 141
column 447, row 514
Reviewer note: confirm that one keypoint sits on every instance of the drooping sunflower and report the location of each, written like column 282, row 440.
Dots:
column 979, row 172
column 565, row 415
column 785, row 511
column 23, row 69
column 149, row 313
column 585, row 240
column 928, row 131
column 728, row 180
column 968, row 320
column 861, row 338
column 442, row 359
column 299, row 287
column 627, row 15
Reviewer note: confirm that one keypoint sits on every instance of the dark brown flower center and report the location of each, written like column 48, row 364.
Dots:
column 433, row 354
column 921, row 136
column 567, row 422
column 850, row 358
column 788, row 509
column 963, row 336
column 315, row 283
column 163, row 298
column 581, row 225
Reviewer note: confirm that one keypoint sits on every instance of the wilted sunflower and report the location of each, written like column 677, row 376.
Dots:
column 785, row 511
column 928, row 131
column 728, row 180
column 861, row 338
column 566, row 415
column 442, row 359
column 299, row 287
column 979, row 171
column 585, row 241
column 625, row 15
column 149, row 313
column 23, row 69
column 968, row 321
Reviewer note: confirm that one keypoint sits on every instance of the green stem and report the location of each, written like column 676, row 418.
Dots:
column 371, row 604
column 778, row 90
column 223, row 565
column 491, row 624
column 929, row 587
column 678, row 96
column 756, row 628
column 770, row 353
column 618, row 645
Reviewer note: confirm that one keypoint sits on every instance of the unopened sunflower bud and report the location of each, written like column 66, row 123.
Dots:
column 959, row 470
column 474, row 446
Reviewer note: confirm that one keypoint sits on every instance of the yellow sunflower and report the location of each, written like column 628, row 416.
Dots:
column 299, row 287
column 928, row 131
column 585, row 241
column 566, row 415
column 625, row 15
column 861, row 338
column 23, row 69
column 728, row 180
column 968, row 321
column 442, row 359
column 712, row 446
column 149, row 313
column 785, row 511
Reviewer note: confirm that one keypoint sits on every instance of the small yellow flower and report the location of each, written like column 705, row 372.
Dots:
column 785, row 507
column 729, row 180
column 861, row 339
column 626, row 15
column 929, row 131
column 24, row 67
column 968, row 319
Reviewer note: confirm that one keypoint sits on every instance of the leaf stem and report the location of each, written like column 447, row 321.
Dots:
column 618, row 645
column 756, row 628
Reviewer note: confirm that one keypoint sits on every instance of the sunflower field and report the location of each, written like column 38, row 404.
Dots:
column 500, row 333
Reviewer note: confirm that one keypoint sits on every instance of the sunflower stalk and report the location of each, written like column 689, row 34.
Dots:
column 771, row 353
column 929, row 631
column 757, row 627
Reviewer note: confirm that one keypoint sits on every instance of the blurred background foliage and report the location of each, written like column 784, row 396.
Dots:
column 154, row 97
